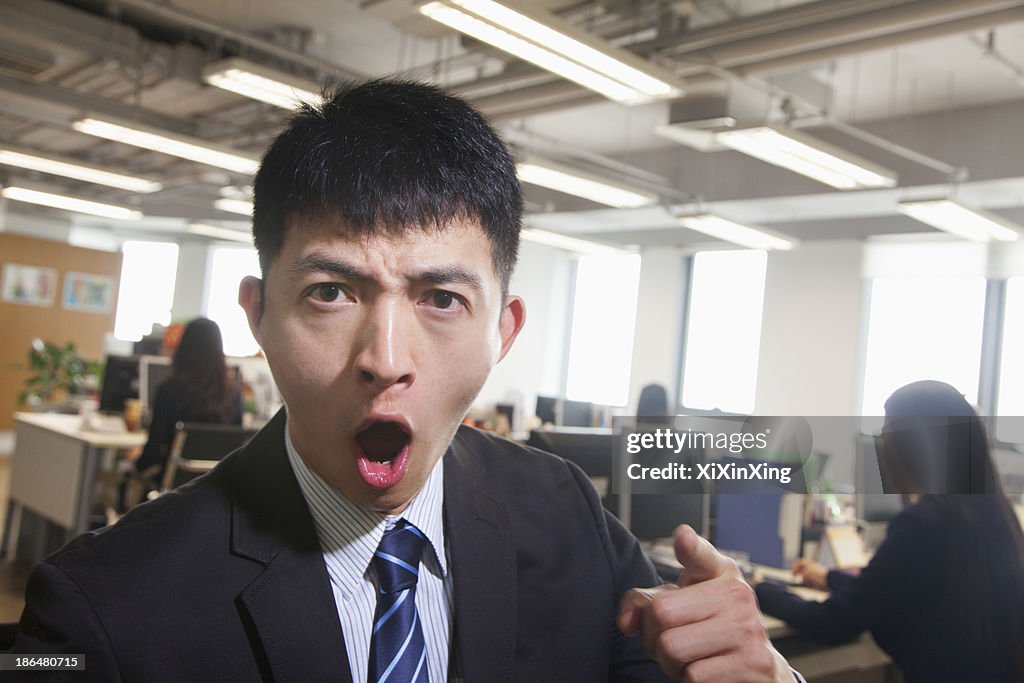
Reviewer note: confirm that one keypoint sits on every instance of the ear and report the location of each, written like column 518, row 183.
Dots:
column 513, row 317
column 250, row 298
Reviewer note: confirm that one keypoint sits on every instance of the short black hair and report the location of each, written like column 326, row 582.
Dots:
column 387, row 156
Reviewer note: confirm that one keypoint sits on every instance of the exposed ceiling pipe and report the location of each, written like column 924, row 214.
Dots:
column 700, row 76
column 541, row 144
column 584, row 98
column 59, row 106
column 167, row 11
column 955, row 173
column 865, row 25
column 790, row 62
column 537, row 95
column 806, row 14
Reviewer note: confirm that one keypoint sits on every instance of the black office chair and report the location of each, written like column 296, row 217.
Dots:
column 198, row 447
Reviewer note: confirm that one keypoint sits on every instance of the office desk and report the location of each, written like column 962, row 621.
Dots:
column 53, row 471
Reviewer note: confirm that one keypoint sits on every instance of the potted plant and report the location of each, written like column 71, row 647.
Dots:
column 58, row 373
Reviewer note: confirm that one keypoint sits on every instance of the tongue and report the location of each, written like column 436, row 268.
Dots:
column 382, row 441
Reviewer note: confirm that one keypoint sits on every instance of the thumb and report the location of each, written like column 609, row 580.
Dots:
column 699, row 558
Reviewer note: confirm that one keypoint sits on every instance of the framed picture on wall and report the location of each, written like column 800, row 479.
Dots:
column 31, row 285
column 85, row 292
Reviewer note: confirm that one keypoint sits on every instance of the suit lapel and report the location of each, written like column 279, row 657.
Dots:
column 484, row 565
column 290, row 604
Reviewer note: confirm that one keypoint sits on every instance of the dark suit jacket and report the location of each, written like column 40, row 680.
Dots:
column 224, row 578
column 912, row 603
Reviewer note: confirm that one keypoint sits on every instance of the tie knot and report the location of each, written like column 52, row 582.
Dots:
column 397, row 559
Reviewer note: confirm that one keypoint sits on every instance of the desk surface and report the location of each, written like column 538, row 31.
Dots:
column 68, row 425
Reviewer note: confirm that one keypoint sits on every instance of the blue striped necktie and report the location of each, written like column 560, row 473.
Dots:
column 397, row 650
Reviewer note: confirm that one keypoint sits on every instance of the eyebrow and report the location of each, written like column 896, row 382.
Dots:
column 317, row 262
column 450, row 275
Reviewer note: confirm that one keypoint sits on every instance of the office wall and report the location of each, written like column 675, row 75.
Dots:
column 190, row 280
column 809, row 362
column 659, row 314
column 810, row 330
column 20, row 323
column 534, row 366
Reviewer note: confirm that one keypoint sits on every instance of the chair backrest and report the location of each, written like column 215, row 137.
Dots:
column 198, row 447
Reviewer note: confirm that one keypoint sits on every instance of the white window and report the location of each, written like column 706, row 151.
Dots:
column 723, row 331
column 146, row 292
column 228, row 265
column 1010, row 399
column 925, row 327
column 603, row 317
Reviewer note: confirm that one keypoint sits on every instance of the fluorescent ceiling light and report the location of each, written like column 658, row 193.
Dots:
column 220, row 232
column 581, row 184
column 59, row 201
column 44, row 163
column 809, row 156
column 553, row 44
column 743, row 234
column 960, row 220
column 569, row 243
column 239, row 206
column 261, row 83
column 182, row 146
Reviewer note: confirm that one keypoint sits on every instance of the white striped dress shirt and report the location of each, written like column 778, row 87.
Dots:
column 349, row 535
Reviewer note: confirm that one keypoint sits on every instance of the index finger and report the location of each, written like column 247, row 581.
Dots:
column 699, row 558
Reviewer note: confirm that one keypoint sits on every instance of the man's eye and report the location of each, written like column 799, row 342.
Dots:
column 442, row 299
column 326, row 293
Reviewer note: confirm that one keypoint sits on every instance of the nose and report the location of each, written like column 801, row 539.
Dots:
column 384, row 357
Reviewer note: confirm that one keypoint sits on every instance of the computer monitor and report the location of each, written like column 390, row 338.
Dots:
column 120, row 382
column 153, row 370
column 547, row 409
column 750, row 516
column 590, row 449
column 577, row 413
column 657, row 506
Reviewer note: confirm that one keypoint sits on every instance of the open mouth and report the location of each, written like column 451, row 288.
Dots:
column 382, row 453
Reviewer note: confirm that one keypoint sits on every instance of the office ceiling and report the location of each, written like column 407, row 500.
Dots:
column 933, row 89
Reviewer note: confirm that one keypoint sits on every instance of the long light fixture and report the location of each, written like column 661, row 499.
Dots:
column 743, row 234
column 60, row 201
column 576, row 182
column 554, row 44
column 44, row 163
column 261, row 83
column 239, row 206
column 960, row 220
column 570, row 243
column 219, row 232
column 807, row 155
column 182, row 146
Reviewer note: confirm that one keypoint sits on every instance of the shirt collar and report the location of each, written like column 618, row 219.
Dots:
column 351, row 534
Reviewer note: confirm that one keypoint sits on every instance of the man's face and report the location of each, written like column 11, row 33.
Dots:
column 379, row 346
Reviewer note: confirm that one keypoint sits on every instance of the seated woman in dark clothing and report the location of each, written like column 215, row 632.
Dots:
column 198, row 390
column 944, row 593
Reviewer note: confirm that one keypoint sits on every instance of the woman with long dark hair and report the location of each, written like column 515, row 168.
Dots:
column 198, row 390
column 944, row 593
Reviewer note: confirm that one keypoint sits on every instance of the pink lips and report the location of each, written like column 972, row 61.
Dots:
column 381, row 447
